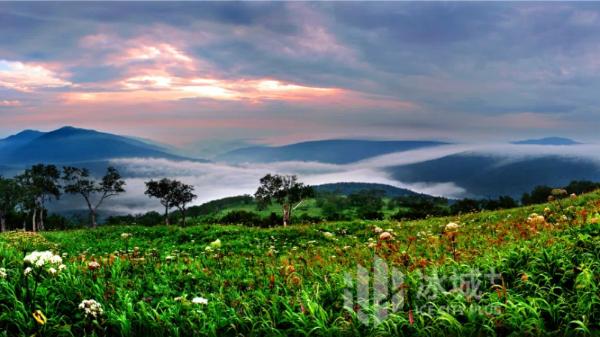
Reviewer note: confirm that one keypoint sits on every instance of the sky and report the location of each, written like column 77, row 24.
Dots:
column 206, row 75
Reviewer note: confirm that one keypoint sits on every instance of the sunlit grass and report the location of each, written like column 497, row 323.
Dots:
column 290, row 281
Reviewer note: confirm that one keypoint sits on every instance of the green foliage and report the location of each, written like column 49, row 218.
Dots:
column 290, row 281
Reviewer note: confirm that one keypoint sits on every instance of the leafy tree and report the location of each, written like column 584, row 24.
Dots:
column 332, row 205
column 163, row 190
column 538, row 195
column 285, row 190
column 419, row 207
column 79, row 181
column 40, row 183
column 181, row 195
column 9, row 198
column 582, row 186
column 465, row 206
column 368, row 203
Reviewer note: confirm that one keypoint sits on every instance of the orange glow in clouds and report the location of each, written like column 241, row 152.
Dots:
column 149, row 88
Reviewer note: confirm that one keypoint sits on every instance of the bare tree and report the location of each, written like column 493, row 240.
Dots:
column 80, row 182
column 285, row 190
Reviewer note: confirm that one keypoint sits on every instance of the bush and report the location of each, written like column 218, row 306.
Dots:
column 241, row 217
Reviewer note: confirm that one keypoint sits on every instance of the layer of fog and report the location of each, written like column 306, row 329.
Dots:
column 217, row 180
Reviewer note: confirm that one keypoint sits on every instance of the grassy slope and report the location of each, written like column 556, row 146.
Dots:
column 308, row 206
column 290, row 281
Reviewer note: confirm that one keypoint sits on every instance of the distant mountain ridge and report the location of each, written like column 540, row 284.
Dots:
column 72, row 145
column 334, row 151
column 484, row 176
column 347, row 188
column 547, row 141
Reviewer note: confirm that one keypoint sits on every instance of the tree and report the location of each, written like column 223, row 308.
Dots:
column 163, row 190
column 181, row 194
column 9, row 198
column 40, row 183
column 538, row 195
column 79, row 181
column 368, row 203
column 285, row 190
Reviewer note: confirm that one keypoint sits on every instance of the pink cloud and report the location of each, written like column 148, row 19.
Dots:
column 9, row 103
column 29, row 76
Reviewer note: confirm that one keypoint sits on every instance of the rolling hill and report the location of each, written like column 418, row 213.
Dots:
column 336, row 151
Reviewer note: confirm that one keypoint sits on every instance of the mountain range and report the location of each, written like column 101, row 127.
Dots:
column 74, row 145
column 481, row 174
column 547, row 141
column 335, row 151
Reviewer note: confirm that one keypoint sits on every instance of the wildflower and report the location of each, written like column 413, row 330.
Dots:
column 170, row 258
column 328, row 235
column 215, row 244
column 126, row 236
column 39, row 259
column 535, row 219
column 52, row 271
column 199, row 300
column 93, row 265
column 377, row 230
column 178, row 299
column 3, row 273
column 39, row 317
column 62, row 267
column 371, row 245
column 27, row 271
column 573, row 195
column 547, row 210
column 451, row 227
column 385, row 236
column 91, row 308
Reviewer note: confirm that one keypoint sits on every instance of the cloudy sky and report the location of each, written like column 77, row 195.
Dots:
column 191, row 74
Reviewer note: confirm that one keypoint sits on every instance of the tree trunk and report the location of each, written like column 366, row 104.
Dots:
column 286, row 215
column 166, row 215
column 41, row 226
column 93, row 219
column 33, row 219
column 2, row 222
column 183, row 216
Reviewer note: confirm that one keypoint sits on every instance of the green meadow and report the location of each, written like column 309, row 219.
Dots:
column 530, row 271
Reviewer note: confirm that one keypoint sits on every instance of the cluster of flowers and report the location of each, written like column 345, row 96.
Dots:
column 213, row 245
column 91, row 308
column 535, row 220
column 384, row 234
column 42, row 259
column 451, row 227
column 195, row 300
column 3, row 273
